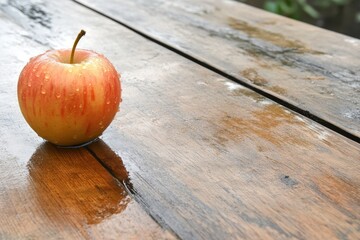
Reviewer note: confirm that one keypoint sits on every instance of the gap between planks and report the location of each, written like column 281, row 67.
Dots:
column 326, row 123
column 123, row 179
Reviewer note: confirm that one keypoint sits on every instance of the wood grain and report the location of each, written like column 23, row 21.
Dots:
column 313, row 69
column 48, row 192
column 206, row 157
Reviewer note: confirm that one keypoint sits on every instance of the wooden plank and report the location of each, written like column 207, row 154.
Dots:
column 312, row 69
column 209, row 158
column 53, row 193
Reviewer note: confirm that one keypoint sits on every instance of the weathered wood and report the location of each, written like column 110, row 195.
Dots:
column 310, row 68
column 48, row 192
column 207, row 157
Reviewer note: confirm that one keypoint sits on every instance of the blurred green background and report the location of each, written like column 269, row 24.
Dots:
column 342, row 16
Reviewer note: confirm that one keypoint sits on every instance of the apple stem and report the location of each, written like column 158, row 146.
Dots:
column 81, row 33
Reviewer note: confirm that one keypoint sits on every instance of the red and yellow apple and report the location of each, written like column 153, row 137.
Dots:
column 69, row 97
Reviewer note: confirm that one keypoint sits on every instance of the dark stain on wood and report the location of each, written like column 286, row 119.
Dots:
column 315, row 78
column 246, row 92
column 252, row 75
column 35, row 12
column 288, row 181
column 274, row 38
column 277, row 89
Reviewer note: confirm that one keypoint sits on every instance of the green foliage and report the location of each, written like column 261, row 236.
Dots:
column 296, row 8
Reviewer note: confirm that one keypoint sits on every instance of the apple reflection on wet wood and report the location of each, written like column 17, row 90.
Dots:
column 86, row 195
column 69, row 195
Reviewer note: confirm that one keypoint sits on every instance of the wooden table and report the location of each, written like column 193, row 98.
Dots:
column 235, row 124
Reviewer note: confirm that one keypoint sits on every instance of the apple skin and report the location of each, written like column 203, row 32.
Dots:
column 69, row 104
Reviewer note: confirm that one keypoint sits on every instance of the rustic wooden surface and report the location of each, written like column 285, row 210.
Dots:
column 52, row 193
column 206, row 158
column 310, row 68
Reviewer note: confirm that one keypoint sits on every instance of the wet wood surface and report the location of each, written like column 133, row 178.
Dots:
column 66, row 194
column 193, row 154
column 48, row 192
column 310, row 68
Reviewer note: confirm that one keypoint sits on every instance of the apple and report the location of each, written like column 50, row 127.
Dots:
column 69, row 97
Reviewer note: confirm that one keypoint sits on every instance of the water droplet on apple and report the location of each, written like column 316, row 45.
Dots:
column 47, row 76
column 77, row 89
column 108, row 102
column 43, row 92
column 58, row 95
column 80, row 106
column 84, row 67
column 29, row 84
